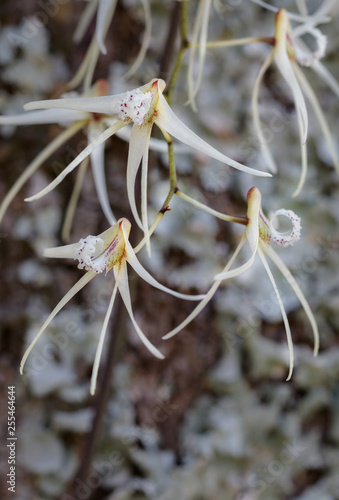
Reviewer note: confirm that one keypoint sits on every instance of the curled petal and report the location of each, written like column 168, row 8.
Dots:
column 290, row 237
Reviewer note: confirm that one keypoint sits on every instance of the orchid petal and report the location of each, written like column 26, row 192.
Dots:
column 295, row 287
column 62, row 252
column 145, row 41
column 43, row 117
column 207, row 297
column 319, row 114
column 106, row 105
column 87, row 151
column 283, row 312
column 98, row 170
column 167, row 119
column 157, row 145
column 73, row 291
column 138, row 148
column 102, row 339
column 251, row 234
column 256, row 116
column 122, row 281
column 73, row 201
column 200, row 33
column 303, row 172
column 288, row 73
column 90, row 59
column 85, row 20
column 144, row 216
column 36, row 163
column 105, row 13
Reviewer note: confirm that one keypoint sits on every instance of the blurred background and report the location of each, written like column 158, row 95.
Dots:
column 215, row 420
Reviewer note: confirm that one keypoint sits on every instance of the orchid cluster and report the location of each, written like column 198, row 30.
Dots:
column 101, row 113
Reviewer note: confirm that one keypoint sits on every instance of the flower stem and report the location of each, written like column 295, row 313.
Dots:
column 219, row 215
column 238, row 41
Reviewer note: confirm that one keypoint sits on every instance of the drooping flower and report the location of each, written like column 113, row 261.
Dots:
column 143, row 107
column 259, row 232
column 289, row 53
column 99, row 254
column 104, row 10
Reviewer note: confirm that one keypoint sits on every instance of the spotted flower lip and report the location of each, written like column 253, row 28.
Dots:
column 110, row 250
column 143, row 107
column 259, row 231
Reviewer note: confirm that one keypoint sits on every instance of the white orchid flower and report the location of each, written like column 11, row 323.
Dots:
column 288, row 53
column 143, row 107
column 259, row 233
column 93, row 124
column 97, row 254
column 105, row 10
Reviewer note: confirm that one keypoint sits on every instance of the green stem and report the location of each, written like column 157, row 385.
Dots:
column 182, row 50
column 219, row 215
column 238, row 41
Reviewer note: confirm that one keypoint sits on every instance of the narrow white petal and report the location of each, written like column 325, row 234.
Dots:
column 287, row 72
column 73, row 291
column 157, row 145
column 251, row 234
column 36, row 163
column 102, row 339
column 304, row 163
column 145, row 41
column 207, row 297
column 283, row 312
column 144, row 215
column 256, row 116
column 138, row 147
column 105, row 13
column 92, row 53
column 200, row 33
column 73, row 201
column 98, row 170
column 62, row 252
column 167, row 119
column 295, row 287
column 85, row 20
column 125, row 295
column 225, row 275
column 44, row 117
column 107, row 105
column 86, row 152
column 145, row 275
column 319, row 114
